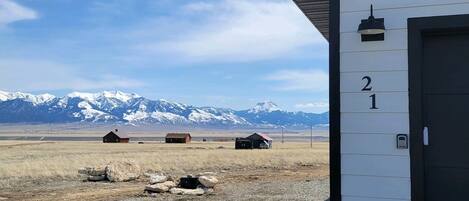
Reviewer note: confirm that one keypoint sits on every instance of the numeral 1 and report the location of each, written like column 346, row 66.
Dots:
column 373, row 102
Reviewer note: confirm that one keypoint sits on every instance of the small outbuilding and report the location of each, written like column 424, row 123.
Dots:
column 243, row 143
column 178, row 138
column 260, row 141
column 254, row 141
column 116, row 136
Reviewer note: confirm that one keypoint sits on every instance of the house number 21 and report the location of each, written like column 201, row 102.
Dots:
column 368, row 87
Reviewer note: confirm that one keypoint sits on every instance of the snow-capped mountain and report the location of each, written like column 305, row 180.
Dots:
column 120, row 107
column 34, row 99
column 267, row 106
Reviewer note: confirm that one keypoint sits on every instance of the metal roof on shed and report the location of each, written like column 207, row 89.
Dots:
column 178, row 135
column 317, row 12
column 261, row 135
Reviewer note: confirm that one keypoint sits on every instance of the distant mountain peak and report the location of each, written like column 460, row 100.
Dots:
column 34, row 99
column 4, row 95
column 267, row 106
column 82, row 95
column 119, row 95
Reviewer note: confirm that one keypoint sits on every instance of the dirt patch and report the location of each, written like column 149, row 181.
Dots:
column 301, row 183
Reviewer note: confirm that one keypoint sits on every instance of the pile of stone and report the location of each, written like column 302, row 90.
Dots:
column 114, row 171
column 160, row 183
column 93, row 173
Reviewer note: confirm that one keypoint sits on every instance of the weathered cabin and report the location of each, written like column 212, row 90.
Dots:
column 254, row 141
column 116, row 136
column 398, row 97
column 178, row 138
column 243, row 143
column 260, row 141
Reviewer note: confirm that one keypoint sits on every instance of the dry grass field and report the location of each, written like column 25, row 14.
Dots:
column 25, row 164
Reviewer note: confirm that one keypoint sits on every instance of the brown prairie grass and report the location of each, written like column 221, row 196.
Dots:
column 30, row 161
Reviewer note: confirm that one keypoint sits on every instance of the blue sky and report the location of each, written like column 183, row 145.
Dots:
column 224, row 53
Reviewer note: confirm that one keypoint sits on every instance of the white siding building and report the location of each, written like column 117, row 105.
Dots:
column 414, row 80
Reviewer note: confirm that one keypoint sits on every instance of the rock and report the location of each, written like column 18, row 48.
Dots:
column 206, row 174
column 122, row 171
column 172, row 178
column 169, row 184
column 158, row 178
column 208, row 190
column 96, row 178
column 208, row 181
column 183, row 191
column 160, row 187
column 92, row 171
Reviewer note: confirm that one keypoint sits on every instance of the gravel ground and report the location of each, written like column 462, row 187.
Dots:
column 269, row 186
column 317, row 190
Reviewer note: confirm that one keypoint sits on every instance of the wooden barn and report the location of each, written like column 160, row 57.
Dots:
column 260, row 141
column 116, row 136
column 254, row 141
column 178, row 138
column 243, row 143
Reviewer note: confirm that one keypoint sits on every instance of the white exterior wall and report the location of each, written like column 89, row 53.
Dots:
column 372, row 168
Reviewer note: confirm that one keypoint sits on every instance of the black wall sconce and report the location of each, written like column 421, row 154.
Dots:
column 372, row 29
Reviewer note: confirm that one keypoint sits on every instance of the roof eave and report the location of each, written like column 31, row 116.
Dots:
column 317, row 12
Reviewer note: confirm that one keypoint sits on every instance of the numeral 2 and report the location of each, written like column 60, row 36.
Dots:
column 368, row 82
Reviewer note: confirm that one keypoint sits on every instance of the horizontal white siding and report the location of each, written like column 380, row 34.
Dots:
column 378, row 144
column 394, row 60
column 395, row 81
column 376, row 187
column 375, row 123
column 385, row 102
column 375, row 165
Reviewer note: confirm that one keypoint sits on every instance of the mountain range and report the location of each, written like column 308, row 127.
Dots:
column 130, row 108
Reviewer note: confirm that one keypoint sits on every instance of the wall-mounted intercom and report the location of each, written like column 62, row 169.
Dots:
column 402, row 141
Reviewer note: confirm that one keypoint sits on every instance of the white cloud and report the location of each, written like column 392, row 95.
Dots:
column 11, row 12
column 241, row 30
column 31, row 75
column 313, row 105
column 300, row 80
column 316, row 107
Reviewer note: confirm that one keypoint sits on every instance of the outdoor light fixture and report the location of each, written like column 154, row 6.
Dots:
column 372, row 29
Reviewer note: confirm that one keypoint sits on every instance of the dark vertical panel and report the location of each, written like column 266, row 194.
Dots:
column 415, row 109
column 334, row 100
column 417, row 27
